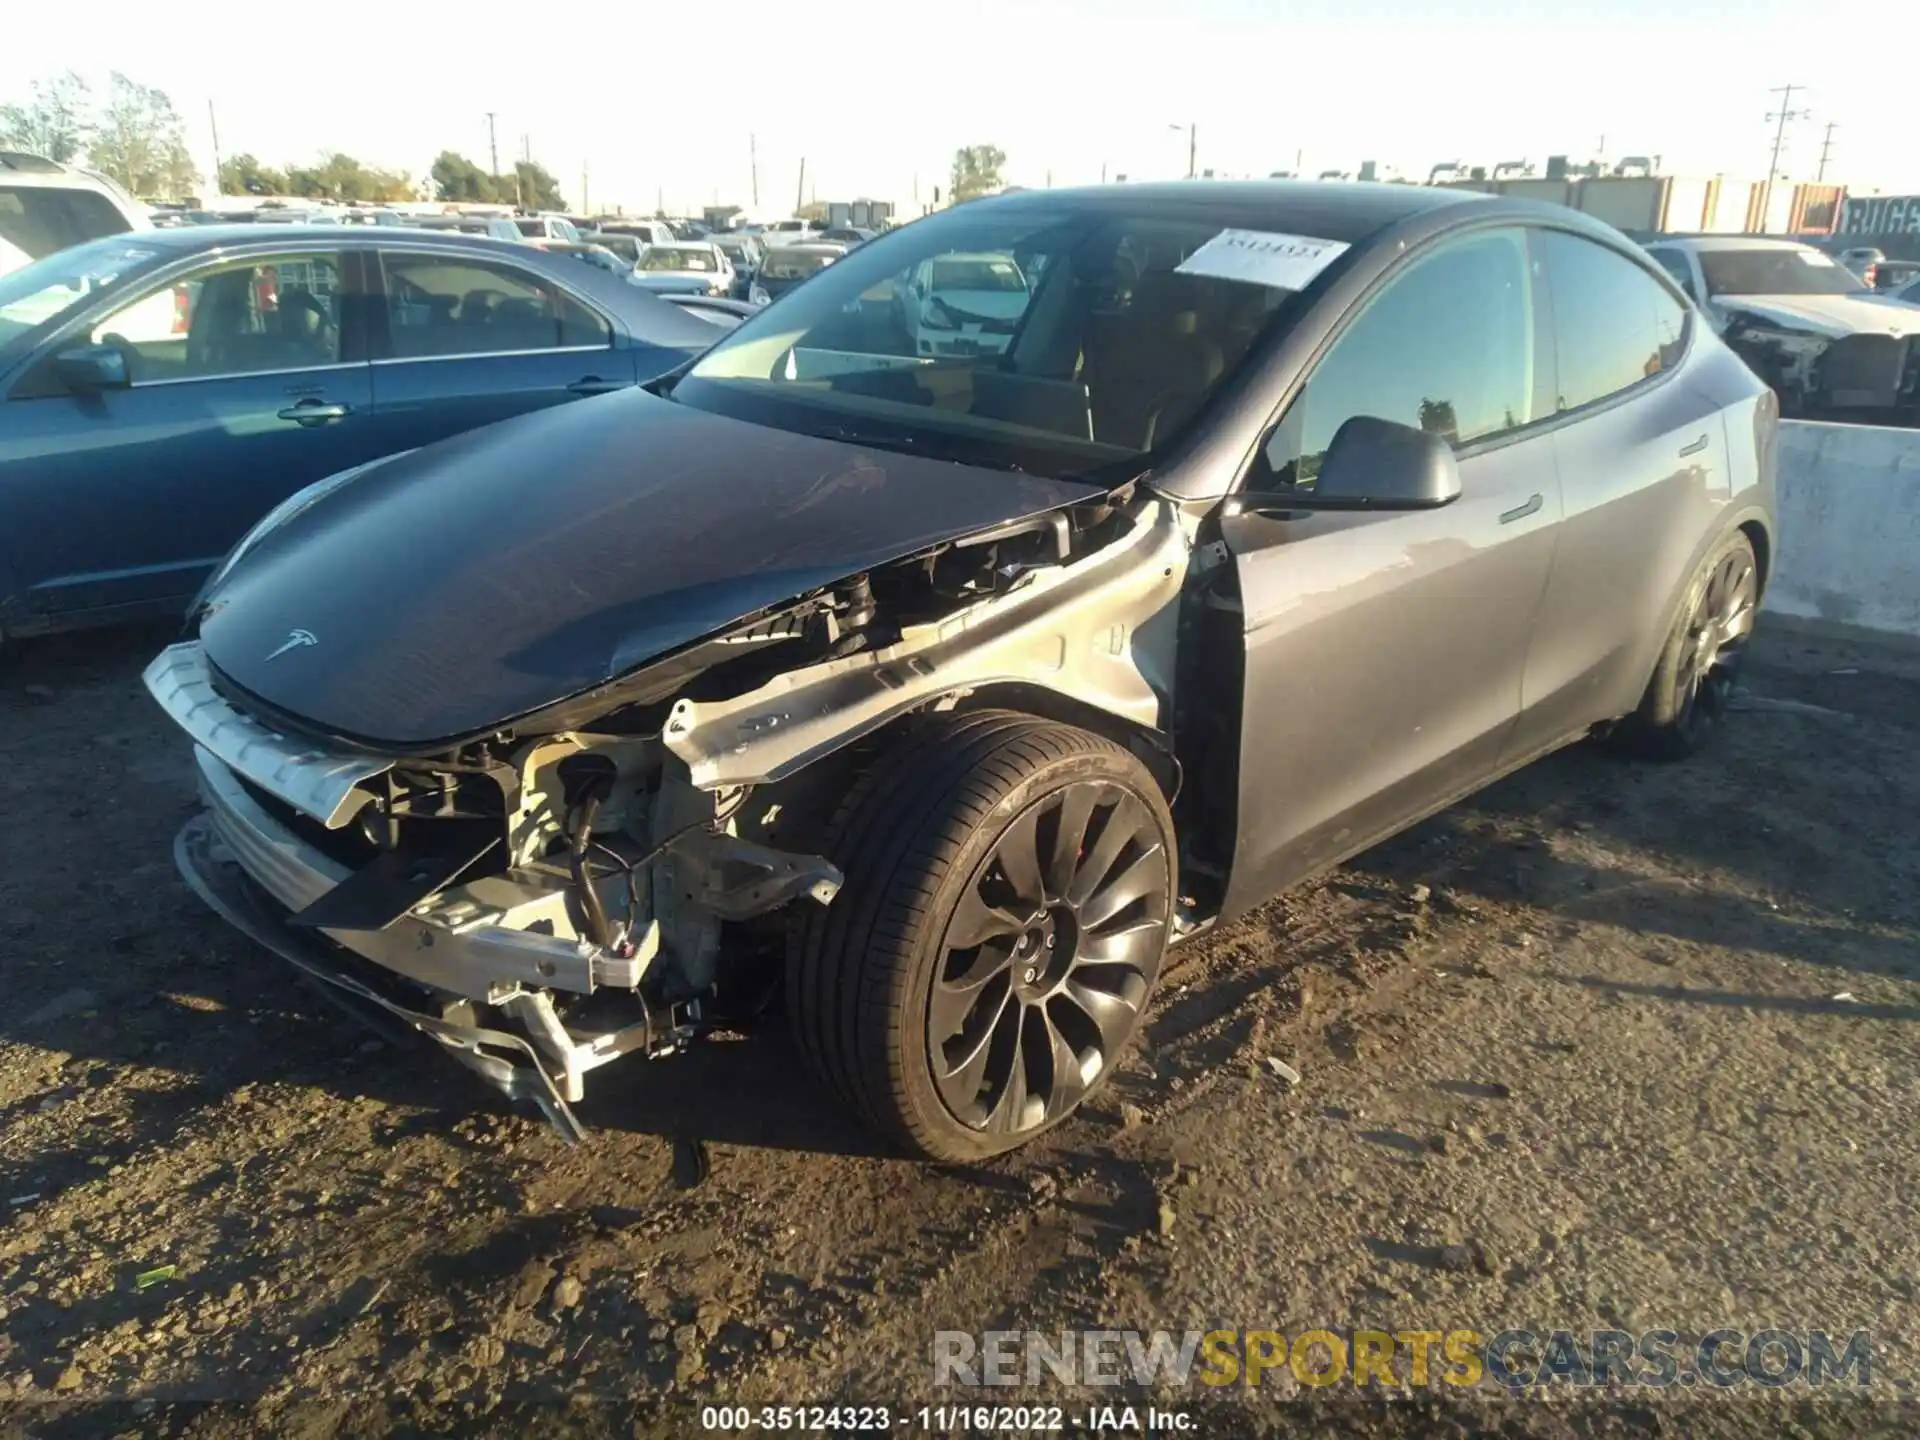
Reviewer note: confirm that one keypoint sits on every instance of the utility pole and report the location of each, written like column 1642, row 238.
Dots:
column 1781, row 117
column 753, row 161
column 493, row 151
column 1193, row 141
column 800, row 191
column 1826, row 149
column 214, row 125
column 584, row 208
column 1103, row 172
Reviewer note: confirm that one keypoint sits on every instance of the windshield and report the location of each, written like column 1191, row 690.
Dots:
column 1776, row 270
column 41, row 294
column 625, row 246
column 662, row 257
column 785, row 264
column 984, row 274
column 1126, row 336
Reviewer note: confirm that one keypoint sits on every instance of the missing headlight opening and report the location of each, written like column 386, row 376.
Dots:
column 624, row 870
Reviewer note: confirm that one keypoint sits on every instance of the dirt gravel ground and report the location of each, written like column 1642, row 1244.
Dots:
column 1610, row 1046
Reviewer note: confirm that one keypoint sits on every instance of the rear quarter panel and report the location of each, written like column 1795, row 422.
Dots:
column 1749, row 414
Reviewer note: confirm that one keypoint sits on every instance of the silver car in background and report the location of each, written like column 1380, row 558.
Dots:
column 1826, row 341
column 686, row 267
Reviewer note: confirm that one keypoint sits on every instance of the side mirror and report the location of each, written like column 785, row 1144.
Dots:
column 89, row 369
column 1374, row 464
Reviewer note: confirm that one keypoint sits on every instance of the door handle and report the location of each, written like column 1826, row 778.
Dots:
column 1520, row 512
column 314, row 412
column 1694, row 449
column 594, row 385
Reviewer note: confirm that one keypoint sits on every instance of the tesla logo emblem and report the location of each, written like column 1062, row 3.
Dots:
column 296, row 639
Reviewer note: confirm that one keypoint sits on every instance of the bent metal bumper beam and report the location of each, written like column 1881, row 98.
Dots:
column 450, row 951
column 254, row 873
column 213, row 874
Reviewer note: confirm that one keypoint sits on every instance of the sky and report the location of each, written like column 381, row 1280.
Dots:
column 673, row 105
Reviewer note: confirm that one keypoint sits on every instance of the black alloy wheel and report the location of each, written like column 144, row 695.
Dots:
column 1686, row 700
column 1009, row 887
column 1716, row 638
column 1048, row 959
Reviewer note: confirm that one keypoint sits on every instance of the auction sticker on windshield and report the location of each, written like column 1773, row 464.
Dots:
column 1263, row 257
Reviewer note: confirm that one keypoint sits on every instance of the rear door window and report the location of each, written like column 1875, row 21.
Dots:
column 444, row 306
column 36, row 220
column 1614, row 326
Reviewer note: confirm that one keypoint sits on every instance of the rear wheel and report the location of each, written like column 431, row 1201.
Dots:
column 1686, row 700
column 1008, row 887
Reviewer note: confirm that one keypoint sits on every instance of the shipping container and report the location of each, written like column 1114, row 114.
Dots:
column 1557, row 192
column 1815, row 208
column 1627, row 202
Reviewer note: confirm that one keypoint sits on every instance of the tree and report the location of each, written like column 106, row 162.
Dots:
column 341, row 177
column 976, row 171
column 55, row 123
column 539, row 190
column 531, row 185
column 141, row 142
column 457, row 178
column 1437, row 418
column 244, row 175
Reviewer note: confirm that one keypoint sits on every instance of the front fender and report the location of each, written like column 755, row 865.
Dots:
column 1101, row 630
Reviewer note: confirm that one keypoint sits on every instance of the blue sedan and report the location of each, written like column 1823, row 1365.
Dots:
column 165, row 389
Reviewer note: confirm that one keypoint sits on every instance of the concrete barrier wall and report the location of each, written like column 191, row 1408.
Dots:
column 1849, row 526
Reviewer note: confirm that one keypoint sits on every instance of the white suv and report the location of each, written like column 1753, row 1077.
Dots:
column 46, row 206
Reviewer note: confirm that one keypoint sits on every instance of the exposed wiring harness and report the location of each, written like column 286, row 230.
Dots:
column 581, row 843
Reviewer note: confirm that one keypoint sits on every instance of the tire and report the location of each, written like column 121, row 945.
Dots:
column 1686, row 700
column 957, row 1050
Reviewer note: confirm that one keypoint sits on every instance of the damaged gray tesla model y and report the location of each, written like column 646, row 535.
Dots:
column 937, row 695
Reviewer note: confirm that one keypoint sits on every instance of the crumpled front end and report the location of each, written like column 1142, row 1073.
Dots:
column 608, row 877
column 452, row 901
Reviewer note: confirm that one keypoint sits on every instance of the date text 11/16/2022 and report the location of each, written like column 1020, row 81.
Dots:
column 940, row 1419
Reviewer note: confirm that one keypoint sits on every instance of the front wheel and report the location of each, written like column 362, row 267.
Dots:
column 1009, row 883
column 1686, row 700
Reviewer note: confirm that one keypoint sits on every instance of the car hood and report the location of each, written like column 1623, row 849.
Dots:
column 452, row 589
column 1828, row 315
